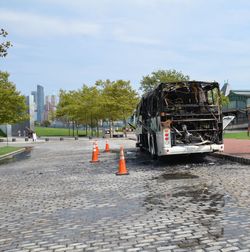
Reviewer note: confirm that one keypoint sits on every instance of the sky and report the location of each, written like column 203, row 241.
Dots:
column 63, row 44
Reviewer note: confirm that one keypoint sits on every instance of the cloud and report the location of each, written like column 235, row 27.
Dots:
column 29, row 24
column 123, row 36
column 221, row 46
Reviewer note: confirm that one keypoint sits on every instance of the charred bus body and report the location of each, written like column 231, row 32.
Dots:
column 180, row 118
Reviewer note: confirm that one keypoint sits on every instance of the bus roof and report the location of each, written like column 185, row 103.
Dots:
column 171, row 86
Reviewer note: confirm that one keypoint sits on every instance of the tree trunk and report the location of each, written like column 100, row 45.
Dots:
column 110, row 129
column 91, row 123
column 125, row 126
column 97, row 134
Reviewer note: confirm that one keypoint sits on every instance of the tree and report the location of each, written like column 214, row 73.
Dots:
column 224, row 100
column 12, row 104
column 4, row 46
column 45, row 123
column 80, row 106
column 148, row 82
column 106, row 100
column 118, row 99
column 65, row 109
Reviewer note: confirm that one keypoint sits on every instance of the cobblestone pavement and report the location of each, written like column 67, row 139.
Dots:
column 55, row 200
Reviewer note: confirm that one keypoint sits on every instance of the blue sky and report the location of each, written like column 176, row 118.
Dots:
column 63, row 43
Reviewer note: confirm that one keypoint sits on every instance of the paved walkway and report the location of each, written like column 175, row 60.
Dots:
column 237, row 147
column 55, row 200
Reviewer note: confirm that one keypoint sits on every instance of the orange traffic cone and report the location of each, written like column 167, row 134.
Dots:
column 107, row 147
column 97, row 149
column 122, row 170
column 94, row 155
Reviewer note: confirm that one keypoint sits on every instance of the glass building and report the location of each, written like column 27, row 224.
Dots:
column 40, row 103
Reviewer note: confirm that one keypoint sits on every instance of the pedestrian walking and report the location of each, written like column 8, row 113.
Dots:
column 34, row 136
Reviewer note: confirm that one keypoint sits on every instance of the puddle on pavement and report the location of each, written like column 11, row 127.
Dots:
column 202, row 194
column 18, row 157
column 175, row 176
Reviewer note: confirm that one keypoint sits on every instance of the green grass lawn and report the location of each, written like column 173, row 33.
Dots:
column 43, row 131
column 7, row 149
column 237, row 135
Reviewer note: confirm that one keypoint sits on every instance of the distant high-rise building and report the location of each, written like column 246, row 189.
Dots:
column 225, row 90
column 40, row 103
column 53, row 101
column 34, row 94
column 50, row 107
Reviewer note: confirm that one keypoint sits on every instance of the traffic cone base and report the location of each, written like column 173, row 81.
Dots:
column 94, row 161
column 120, row 174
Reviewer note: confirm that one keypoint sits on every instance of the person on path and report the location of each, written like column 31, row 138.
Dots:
column 34, row 136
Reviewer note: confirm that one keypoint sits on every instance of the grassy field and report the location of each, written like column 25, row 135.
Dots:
column 7, row 149
column 237, row 135
column 43, row 131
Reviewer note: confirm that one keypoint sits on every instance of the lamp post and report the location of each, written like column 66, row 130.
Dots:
column 7, row 134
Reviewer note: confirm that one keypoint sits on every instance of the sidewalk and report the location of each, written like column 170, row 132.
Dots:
column 237, row 147
column 236, row 150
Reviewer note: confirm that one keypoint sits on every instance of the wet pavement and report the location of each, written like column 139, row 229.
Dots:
column 54, row 199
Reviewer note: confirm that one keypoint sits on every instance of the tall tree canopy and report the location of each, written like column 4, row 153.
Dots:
column 148, row 82
column 79, row 105
column 12, row 103
column 108, row 100
column 118, row 99
column 4, row 46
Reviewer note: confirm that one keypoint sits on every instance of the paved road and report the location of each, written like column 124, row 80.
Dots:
column 55, row 200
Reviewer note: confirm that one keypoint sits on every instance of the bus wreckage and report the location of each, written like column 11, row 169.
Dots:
column 180, row 118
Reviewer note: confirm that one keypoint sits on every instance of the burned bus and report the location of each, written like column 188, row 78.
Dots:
column 180, row 118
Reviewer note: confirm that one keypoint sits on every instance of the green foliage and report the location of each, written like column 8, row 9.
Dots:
column 118, row 99
column 79, row 106
column 224, row 99
column 2, row 134
column 148, row 82
column 4, row 46
column 45, row 123
column 12, row 103
column 106, row 100
column 8, row 149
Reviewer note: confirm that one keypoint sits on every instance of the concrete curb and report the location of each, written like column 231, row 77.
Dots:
column 12, row 153
column 238, row 159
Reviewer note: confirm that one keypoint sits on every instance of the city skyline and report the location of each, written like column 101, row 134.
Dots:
column 64, row 44
column 44, row 104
